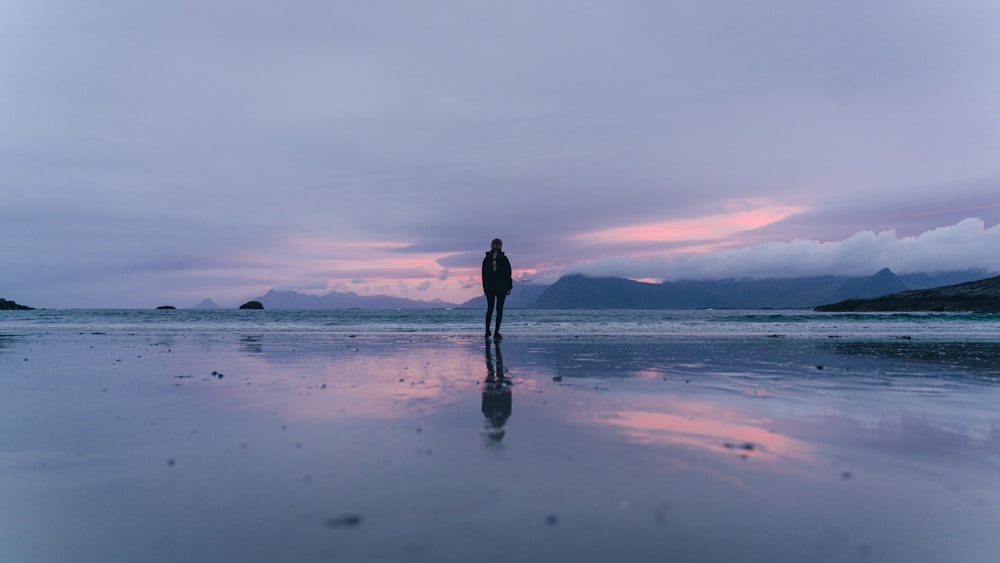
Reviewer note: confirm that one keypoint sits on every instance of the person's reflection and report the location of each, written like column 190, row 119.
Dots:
column 496, row 395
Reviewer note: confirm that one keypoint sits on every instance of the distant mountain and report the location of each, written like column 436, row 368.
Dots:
column 580, row 292
column 274, row 299
column 882, row 283
column 522, row 296
column 940, row 279
column 207, row 304
column 982, row 296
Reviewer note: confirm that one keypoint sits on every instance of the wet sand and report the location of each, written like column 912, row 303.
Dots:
column 338, row 447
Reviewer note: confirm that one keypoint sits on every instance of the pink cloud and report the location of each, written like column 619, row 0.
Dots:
column 709, row 227
column 374, row 267
column 711, row 427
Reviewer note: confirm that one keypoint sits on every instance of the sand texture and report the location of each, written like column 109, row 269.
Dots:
column 388, row 447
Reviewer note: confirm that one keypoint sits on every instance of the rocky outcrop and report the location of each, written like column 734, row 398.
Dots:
column 11, row 306
column 252, row 305
column 982, row 296
column 165, row 308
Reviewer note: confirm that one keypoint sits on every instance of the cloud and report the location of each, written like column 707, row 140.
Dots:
column 740, row 218
column 156, row 152
column 965, row 245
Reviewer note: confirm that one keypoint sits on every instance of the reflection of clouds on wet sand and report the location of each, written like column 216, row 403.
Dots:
column 365, row 448
column 709, row 427
column 323, row 378
column 787, row 406
column 918, row 436
column 717, row 428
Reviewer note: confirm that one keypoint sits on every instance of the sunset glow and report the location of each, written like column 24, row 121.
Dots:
column 317, row 266
column 710, row 427
column 343, row 383
column 712, row 227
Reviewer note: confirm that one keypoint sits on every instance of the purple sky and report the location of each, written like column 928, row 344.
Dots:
column 162, row 154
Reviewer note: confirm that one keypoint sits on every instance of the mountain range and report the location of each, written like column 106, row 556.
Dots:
column 576, row 291
column 581, row 292
column 275, row 299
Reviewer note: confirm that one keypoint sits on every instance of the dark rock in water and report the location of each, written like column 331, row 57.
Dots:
column 252, row 305
column 981, row 296
column 11, row 306
column 165, row 308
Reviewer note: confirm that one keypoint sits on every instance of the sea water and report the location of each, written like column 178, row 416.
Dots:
column 531, row 323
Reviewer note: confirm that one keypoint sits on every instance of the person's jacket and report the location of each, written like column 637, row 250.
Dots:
column 497, row 276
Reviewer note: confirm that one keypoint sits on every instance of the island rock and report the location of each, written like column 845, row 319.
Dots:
column 252, row 305
column 11, row 306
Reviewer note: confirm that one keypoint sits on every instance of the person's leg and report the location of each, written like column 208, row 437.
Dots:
column 490, row 302
column 500, row 299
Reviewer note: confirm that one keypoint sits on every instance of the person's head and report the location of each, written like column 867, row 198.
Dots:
column 497, row 244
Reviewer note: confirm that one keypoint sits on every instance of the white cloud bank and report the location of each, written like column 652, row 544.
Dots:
column 965, row 245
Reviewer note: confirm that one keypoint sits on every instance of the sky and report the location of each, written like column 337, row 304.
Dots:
column 157, row 153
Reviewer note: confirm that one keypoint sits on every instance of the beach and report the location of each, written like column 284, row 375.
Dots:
column 188, row 445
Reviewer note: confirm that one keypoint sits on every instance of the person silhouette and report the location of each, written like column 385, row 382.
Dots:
column 497, row 283
column 497, row 399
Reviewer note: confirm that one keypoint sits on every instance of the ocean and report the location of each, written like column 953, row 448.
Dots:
column 798, row 324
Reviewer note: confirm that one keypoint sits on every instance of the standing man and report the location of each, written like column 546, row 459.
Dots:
column 497, row 282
